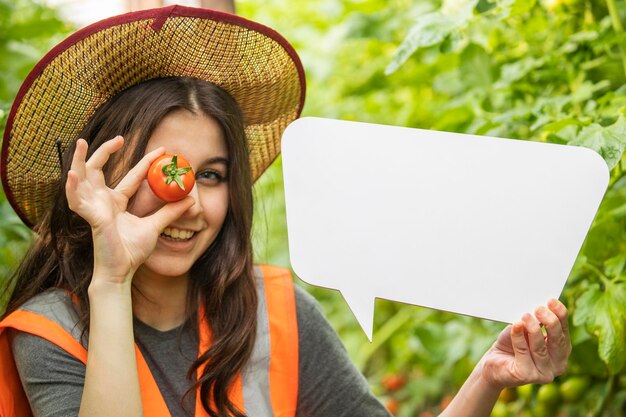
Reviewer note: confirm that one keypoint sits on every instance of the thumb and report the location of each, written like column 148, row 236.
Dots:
column 170, row 212
column 504, row 341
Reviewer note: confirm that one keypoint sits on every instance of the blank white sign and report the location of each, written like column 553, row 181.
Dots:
column 475, row 225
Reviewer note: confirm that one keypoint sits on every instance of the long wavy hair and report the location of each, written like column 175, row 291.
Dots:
column 222, row 278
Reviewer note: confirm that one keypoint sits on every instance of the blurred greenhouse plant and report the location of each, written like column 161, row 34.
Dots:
column 548, row 70
column 28, row 29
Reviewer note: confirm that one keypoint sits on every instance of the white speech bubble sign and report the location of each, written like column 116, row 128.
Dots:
column 475, row 225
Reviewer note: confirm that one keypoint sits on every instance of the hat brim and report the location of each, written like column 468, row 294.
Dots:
column 254, row 63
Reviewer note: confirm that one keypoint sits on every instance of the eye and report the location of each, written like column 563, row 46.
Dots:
column 210, row 177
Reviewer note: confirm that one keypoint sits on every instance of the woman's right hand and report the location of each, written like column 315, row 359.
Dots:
column 121, row 241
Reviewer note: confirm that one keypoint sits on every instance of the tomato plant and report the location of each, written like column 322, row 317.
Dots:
column 542, row 70
column 170, row 177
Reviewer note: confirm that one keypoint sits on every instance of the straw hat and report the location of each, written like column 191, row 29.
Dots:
column 252, row 62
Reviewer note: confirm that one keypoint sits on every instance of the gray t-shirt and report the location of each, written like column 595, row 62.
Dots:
column 329, row 383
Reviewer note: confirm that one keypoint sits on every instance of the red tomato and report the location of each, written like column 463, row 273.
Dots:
column 445, row 401
column 393, row 406
column 171, row 178
column 394, row 382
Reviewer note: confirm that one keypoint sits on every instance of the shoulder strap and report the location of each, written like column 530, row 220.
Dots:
column 13, row 400
column 281, row 309
column 38, row 325
column 236, row 390
column 151, row 399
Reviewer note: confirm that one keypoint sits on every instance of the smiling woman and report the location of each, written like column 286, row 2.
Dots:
column 126, row 256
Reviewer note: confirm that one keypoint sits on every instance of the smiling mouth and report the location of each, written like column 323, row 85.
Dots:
column 174, row 239
column 177, row 235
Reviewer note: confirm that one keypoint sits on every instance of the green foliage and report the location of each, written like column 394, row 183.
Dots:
column 548, row 70
column 433, row 29
column 602, row 313
column 27, row 30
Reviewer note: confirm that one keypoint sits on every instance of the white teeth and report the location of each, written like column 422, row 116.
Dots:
column 177, row 233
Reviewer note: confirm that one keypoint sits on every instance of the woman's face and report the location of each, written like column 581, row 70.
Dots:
column 199, row 139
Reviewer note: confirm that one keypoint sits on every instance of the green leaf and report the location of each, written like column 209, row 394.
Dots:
column 560, row 124
column 609, row 142
column 511, row 8
column 584, row 36
column 614, row 266
column 605, row 240
column 515, row 71
column 586, row 90
column 603, row 315
column 431, row 29
column 476, row 67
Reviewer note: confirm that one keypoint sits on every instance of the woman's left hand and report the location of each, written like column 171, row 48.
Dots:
column 523, row 355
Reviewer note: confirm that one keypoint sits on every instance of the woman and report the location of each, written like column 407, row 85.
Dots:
column 126, row 305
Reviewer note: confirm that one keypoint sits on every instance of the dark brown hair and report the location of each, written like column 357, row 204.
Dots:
column 222, row 278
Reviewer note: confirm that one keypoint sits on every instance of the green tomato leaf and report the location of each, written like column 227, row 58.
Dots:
column 515, row 71
column 603, row 315
column 584, row 311
column 586, row 90
column 432, row 29
column 476, row 67
column 560, row 124
column 614, row 266
column 584, row 36
column 607, row 141
column 510, row 8
column 605, row 239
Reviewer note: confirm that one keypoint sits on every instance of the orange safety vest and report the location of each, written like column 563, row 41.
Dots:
column 267, row 387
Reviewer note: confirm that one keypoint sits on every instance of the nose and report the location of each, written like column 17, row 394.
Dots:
column 196, row 208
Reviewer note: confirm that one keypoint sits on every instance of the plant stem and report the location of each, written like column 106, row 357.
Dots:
column 617, row 26
column 605, row 280
column 384, row 333
column 608, row 391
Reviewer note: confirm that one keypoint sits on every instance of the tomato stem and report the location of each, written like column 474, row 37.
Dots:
column 174, row 173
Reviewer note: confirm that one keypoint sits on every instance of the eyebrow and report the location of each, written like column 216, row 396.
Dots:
column 216, row 160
